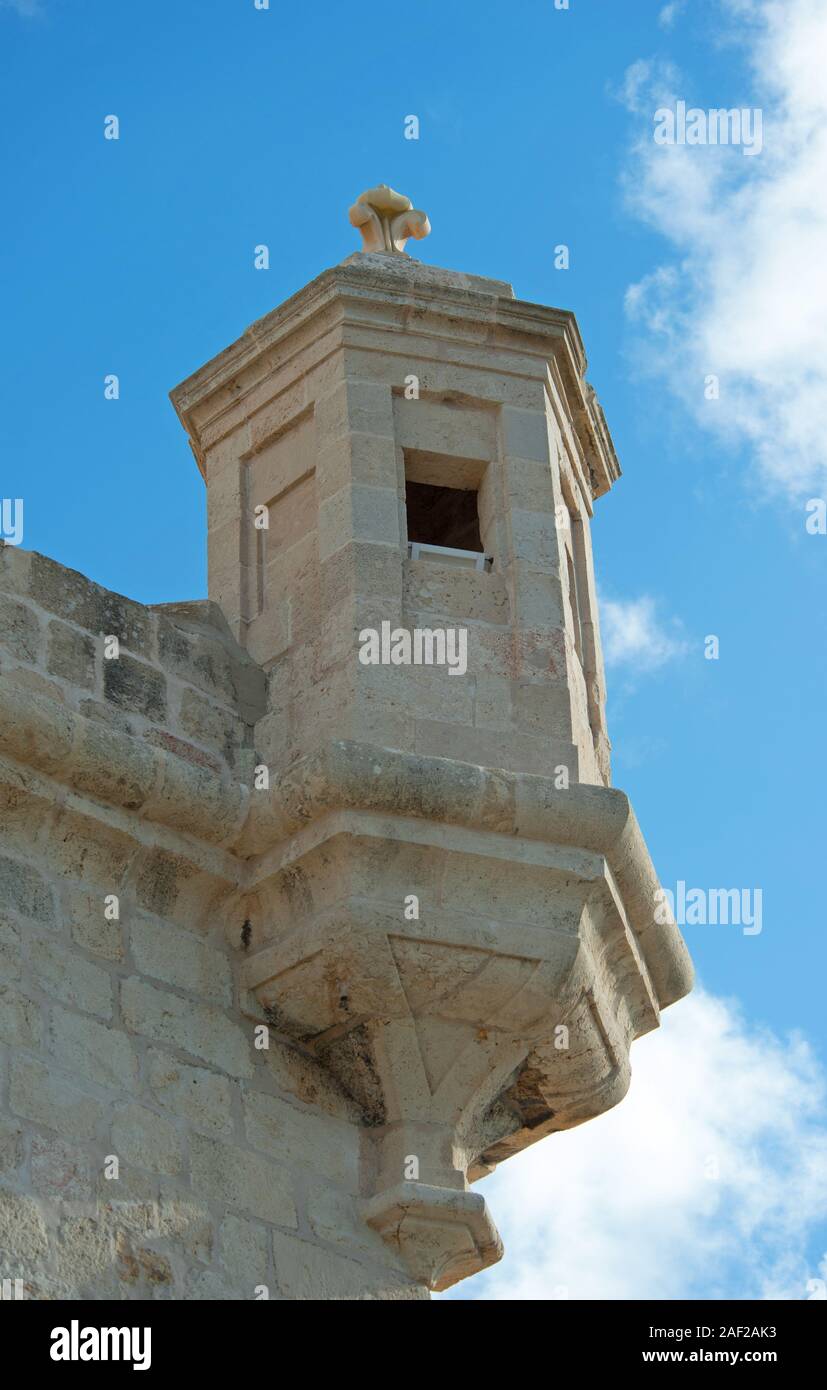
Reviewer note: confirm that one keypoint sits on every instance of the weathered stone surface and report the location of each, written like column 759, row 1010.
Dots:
column 234, row 1177
column 196, row 1028
column 133, row 685
column 21, row 630
column 305, row 1271
column 47, row 1096
column 204, row 1099
column 92, row 1051
column 12, row 1149
column 60, row 1171
column 65, row 975
column 245, row 1253
column 10, row 950
column 188, row 1223
column 85, row 1254
column 180, row 959
column 211, row 724
column 146, row 1271
column 147, row 1140
column 91, row 928
column 71, row 654
column 296, row 1136
column 72, row 596
column 20, row 1021
column 23, row 888
column 23, row 1234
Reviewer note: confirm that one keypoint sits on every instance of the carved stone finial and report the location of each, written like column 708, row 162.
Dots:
column 386, row 219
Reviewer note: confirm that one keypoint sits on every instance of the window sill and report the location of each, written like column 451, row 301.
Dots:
column 445, row 555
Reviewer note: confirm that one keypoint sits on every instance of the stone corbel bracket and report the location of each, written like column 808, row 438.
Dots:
column 538, row 915
column 505, row 1011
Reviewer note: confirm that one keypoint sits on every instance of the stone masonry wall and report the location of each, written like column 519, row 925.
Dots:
column 124, row 1038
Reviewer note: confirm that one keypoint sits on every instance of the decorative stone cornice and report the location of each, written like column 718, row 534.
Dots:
column 158, row 786
column 360, row 294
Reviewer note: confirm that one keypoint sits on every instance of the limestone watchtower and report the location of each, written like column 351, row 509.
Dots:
column 446, row 903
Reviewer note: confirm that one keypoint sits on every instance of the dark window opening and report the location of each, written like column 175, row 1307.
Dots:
column 443, row 516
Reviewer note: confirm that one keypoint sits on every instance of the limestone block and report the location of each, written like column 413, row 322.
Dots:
column 520, row 752
column 355, row 407
column 142, row 1138
column 244, row 1181
column 12, row 1147
column 23, row 888
column 19, row 629
column 529, row 485
column 534, row 539
column 336, row 1219
column 245, row 1254
column 358, row 513
column 193, row 1093
column 210, row 724
column 168, row 884
column 525, row 434
column 20, row 1021
column 15, row 569
column 302, row 1138
column 10, row 950
column 303, row 1271
column 459, row 596
column 199, row 1029
column 91, row 1051
column 537, row 596
column 144, row 1271
column 362, row 568
column 445, row 427
column 85, row 848
column 277, row 414
column 135, row 686
column 84, row 1254
column 51, row 1099
column 367, row 460
column 109, row 767
column 23, row 1235
column 71, row 654
column 90, row 927
column 206, row 664
column 25, row 811
column 72, row 596
column 63, row 974
column 60, row 1171
column 188, row 1223
column 180, row 959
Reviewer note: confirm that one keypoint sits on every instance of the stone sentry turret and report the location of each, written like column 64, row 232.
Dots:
column 315, row 900
column 448, row 905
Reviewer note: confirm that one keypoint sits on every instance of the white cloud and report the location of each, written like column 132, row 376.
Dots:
column 670, row 13
column 634, row 636
column 744, row 293
column 625, row 1207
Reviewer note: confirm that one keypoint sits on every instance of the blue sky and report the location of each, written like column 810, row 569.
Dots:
column 240, row 127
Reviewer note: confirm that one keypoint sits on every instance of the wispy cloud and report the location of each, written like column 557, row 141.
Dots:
column 670, row 13
column 635, row 637
column 708, row 1180
column 27, row 8
column 743, row 293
